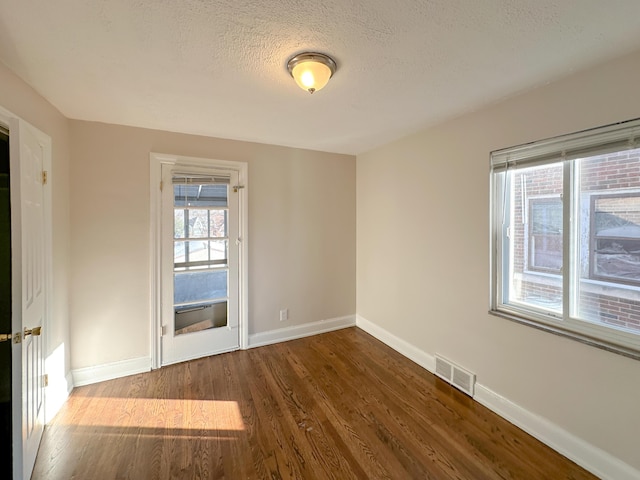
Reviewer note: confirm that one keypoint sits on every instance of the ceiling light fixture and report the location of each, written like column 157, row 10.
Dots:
column 311, row 71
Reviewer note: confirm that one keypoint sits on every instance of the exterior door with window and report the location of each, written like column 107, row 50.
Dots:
column 200, row 262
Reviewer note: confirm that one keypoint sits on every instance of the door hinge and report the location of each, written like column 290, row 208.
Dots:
column 163, row 330
column 161, row 184
column 44, row 177
column 45, row 380
column 237, row 187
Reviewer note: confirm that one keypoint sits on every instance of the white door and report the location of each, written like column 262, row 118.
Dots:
column 200, row 229
column 28, row 150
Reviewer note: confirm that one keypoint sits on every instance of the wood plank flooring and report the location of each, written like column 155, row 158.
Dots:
column 340, row 405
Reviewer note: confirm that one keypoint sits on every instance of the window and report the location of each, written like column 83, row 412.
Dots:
column 545, row 234
column 615, row 238
column 565, row 246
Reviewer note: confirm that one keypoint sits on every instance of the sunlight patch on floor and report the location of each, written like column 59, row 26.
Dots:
column 161, row 413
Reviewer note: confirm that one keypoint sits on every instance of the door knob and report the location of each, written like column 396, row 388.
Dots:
column 32, row 331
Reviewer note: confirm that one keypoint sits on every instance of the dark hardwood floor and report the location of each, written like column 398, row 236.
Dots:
column 339, row 405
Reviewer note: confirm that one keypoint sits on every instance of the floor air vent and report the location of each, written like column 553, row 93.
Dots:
column 456, row 376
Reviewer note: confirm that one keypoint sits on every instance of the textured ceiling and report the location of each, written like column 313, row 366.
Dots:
column 218, row 68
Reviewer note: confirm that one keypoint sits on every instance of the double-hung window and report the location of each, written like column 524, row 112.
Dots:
column 565, row 236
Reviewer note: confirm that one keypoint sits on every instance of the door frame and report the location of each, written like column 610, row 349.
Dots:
column 156, row 162
column 16, row 125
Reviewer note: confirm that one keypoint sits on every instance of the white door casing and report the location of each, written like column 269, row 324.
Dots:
column 30, row 156
column 166, row 347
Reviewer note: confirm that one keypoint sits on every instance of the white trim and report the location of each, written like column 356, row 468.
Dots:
column 588, row 456
column 412, row 352
column 155, row 340
column 196, row 356
column 18, row 127
column 595, row 460
column 155, row 271
column 299, row 331
column 109, row 371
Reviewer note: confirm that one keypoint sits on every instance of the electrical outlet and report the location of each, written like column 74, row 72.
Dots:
column 284, row 314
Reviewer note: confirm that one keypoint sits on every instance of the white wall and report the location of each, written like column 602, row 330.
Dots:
column 423, row 258
column 301, row 235
column 20, row 99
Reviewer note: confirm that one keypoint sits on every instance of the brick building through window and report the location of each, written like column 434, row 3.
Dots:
column 608, row 231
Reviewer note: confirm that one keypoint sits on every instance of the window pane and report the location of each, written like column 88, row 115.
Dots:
column 217, row 249
column 534, row 238
column 197, row 195
column 197, row 251
column 198, row 223
column 218, row 225
column 195, row 318
column 178, row 223
column 616, row 237
column 545, row 234
column 609, row 243
column 198, row 287
column 179, row 252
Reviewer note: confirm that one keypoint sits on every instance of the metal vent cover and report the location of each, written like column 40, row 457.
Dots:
column 443, row 369
column 457, row 376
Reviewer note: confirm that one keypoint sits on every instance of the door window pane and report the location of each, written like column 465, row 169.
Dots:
column 199, row 286
column 200, row 317
column 178, row 224
column 218, row 225
column 218, row 250
column 200, row 255
column 198, row 223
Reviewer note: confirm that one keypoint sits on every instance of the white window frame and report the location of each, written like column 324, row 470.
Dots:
column 565, row 149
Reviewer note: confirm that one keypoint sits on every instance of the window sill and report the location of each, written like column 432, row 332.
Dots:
column 557, row 330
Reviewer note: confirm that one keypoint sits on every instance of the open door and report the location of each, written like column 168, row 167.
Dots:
column 30, row 150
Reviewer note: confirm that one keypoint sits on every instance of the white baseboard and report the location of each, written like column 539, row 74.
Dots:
column 300, row 331
column 413, row 353
column 109, row 371
column 588, row 456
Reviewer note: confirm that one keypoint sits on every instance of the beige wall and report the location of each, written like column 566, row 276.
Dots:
column 301, row 235
column 423, row 257
column 21, row 100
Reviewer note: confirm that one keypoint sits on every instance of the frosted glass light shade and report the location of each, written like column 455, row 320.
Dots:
column 311, row 71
